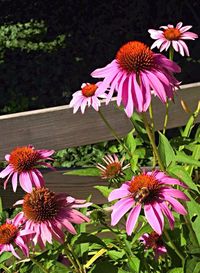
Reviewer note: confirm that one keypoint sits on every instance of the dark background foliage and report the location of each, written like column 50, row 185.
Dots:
column 94, row 30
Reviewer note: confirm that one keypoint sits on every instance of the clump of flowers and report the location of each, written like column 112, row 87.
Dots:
column 22, row 166
column 173, row 37
column 152, row 191
column 47, row 214
column 12, row 234
column 155, row 242
column 87, row 96
column 134, row 73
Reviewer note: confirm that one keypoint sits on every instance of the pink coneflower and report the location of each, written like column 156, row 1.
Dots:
column 134, row 72
column 150, row 190
column 48, row 214
column 86, row 96
column 172, row 36
column 12, row 235
column 22, row 165
column 155, row 242
column 113, row 167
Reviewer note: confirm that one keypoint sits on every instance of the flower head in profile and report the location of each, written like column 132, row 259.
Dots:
column 155, row 242
column 87, row 96
column 48, row 213
column 153, row 192
column 113, row 167
column 12, row 235
column 134, row 73
column 22, row 166
column 172, row 36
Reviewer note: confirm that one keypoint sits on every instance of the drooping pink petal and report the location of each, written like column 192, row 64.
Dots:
column 153, row 218
column 132, row 219
column 9, row 169
column 176, row 205
column 25, row 181
column 121, row 207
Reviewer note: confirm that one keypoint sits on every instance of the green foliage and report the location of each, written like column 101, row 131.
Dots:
column 27, row 37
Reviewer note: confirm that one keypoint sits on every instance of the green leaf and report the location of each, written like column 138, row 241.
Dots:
column 194, row 214
column 182, row 174
column 60, row 268
column 104, row 266
column 165, row 150
column 104, row 190
column 183, row 158
column 88, row 238
column 84, row 172
column 176, row 270
column 192, row 265
column 130, row 142
column 145, row 229
column 116, row 255
column 5, row 256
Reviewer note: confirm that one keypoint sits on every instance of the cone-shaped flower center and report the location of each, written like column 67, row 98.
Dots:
column 172, row 34
column 23, row 158
column 154, row 240
column 89, row 90
column 40, row 205
column 8, row 233
column 113, row 170
column 143, row 187
column 134, row 57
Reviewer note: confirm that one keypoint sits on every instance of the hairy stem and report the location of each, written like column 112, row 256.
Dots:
column 152, row 141
column 114, row 133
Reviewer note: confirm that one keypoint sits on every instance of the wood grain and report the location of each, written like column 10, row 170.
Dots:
column 76, row 186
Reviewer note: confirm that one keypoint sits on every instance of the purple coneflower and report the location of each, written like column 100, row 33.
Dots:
column 47, row 214
column 134, row 73
column 22, row 165
column 113, row 167
column 155, row 242
column 87, row 96
column 12, row 234
column 174, row 37
column 153, row 192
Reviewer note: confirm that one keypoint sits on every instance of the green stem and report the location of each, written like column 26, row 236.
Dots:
column 80, row 267
column 69, row 256
column 39, row 265
column 174, row 246
column 153, row 131
column 171, row 53
column 152, row 141
column 192, row 233
column 5, row 268
column 166, row 116
column 114, row 133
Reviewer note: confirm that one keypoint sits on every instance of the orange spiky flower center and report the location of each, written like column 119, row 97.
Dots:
column 113, row 170
column 89, row 89
column 40, row 205
column 144, row 187
column 172, row 34
column 135, row 57
column 24, row 158
column 8, row 232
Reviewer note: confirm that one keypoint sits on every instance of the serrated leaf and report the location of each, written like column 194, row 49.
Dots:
column 165, row 150
column 104, row 190
column 84, row 172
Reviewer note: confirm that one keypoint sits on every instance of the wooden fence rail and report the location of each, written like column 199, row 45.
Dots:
column 58, row 128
